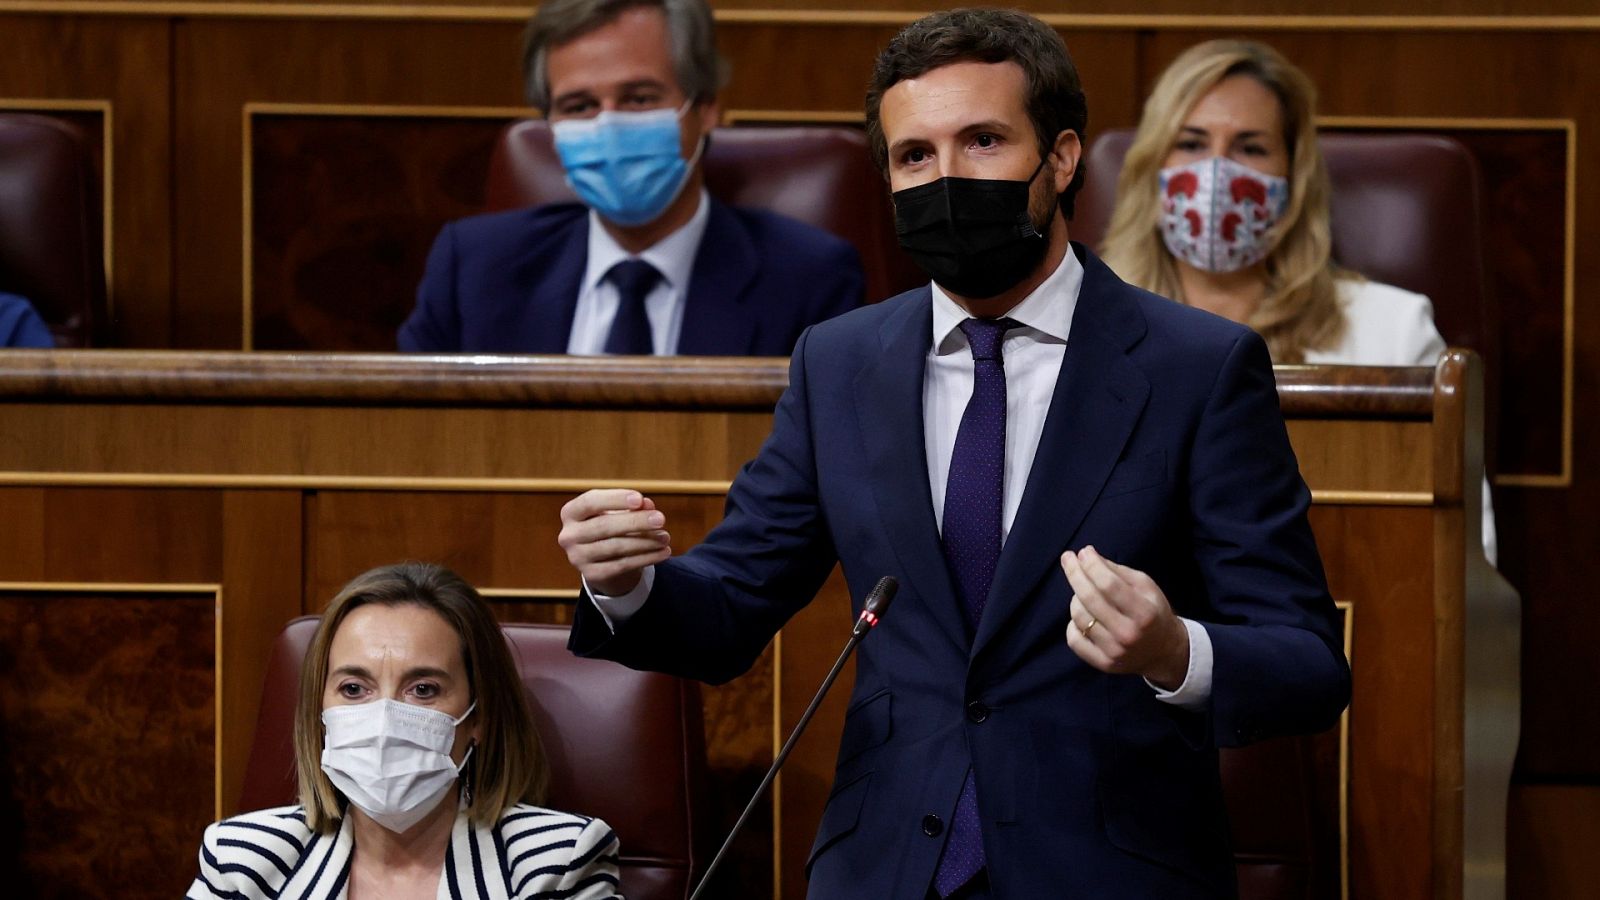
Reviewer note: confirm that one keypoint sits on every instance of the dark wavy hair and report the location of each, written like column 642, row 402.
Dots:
column 1055, row 100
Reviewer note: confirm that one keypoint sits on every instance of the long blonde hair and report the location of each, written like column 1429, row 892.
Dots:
column 1301, row 308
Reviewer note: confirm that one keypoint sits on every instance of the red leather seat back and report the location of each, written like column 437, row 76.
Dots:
column 818, row 175
column 1407, row 210
column 51, row 212
column 623, row 745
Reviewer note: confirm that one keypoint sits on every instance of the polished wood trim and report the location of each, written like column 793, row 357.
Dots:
column 176, row 587
column 530, row 593
column 1458, row 410
column 1349, row 610
column 553, row 381
column 794, row 116
column 1095, row 21
column 1367, row 392
column 112, row 587
column 393, row 111
column 1372, row 498
column 1228, row 23
column 352, row 482
column 107, row 173
column 556, row 381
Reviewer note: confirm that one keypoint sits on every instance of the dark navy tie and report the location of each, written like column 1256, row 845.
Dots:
column 630, row 330
column 973, row 508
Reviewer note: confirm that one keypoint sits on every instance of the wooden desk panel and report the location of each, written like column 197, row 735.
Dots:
column 277, row 477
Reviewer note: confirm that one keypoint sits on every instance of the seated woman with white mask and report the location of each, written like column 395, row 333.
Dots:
column 419, row 767
column 1223, row 204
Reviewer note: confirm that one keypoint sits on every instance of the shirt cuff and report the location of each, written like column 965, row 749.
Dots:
column 618, row 610
column 1195, row 692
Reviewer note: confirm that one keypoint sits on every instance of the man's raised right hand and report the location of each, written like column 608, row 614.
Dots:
column 611, row 535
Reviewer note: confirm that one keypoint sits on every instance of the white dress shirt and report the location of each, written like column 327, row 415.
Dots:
column 598, row 299
column 1032, row 355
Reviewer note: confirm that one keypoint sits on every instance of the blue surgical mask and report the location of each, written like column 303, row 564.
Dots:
column 626, row 166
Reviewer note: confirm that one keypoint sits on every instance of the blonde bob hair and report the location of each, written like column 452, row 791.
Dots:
column 1301, row 308
column 507, row 767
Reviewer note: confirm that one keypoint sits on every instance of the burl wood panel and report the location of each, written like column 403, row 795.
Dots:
column 127, row 62
column 347, row 207
column 1370, row 554
column 109, row 695
column 220, row 65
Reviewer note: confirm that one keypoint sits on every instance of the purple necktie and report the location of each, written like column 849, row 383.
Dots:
column 630, row 329
column 973, row 506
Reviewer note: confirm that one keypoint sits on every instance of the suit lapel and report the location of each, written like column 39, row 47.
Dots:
column 328, row 876
column 718, row 319
column 1098, row 398
column 473, row 854
column 891, row 426
column 556, row 270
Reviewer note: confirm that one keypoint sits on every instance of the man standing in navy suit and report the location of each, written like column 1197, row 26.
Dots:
column 648, row 263
column 1086, row 492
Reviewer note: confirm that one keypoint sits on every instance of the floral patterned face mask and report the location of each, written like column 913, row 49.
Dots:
column 1218, row 215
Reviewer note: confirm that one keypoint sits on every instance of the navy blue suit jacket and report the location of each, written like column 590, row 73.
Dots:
column 1164, row 448
column 20, row 325
column 508, row 283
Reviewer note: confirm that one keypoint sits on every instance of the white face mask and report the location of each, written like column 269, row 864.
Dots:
column 1219, row 215
column 391, row 759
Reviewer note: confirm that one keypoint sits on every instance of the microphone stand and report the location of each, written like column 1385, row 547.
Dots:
column 876, row 604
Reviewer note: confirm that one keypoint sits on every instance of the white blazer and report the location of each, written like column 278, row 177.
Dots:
column 1389, row 326
column 529, row 853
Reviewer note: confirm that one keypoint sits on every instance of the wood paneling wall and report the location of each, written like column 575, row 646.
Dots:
column 176, row 83
column 239, row 490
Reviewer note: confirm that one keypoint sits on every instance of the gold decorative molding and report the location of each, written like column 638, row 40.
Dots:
column 247, row 173
column 1372, row 498
column 119, row 587
column 1562, row 478
column 1085, row 22
column 355, row 482
column 107, row 173
column 566, row 595
column 1348, row 608
column 793, row 116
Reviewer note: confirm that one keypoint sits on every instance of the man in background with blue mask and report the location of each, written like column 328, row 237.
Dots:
column 649, row 263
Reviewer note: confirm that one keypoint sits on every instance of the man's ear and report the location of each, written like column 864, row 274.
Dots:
column 710, row 113
column 1064, row 158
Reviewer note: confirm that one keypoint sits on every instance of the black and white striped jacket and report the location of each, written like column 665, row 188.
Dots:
column 530, row 854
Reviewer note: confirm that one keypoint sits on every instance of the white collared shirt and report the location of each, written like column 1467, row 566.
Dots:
column 1032, row 356
column 598, row 299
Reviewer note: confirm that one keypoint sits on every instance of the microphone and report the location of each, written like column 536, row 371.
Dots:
column 872, row 611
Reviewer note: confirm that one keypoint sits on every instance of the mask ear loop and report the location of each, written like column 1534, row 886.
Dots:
column 1028, row 229
column 468, row 773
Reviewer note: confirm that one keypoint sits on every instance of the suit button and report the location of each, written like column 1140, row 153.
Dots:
column 977, row 712
column 932, row 826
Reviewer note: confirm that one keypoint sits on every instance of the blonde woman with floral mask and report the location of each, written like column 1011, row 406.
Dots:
column 419, row 767
column 1222, row 203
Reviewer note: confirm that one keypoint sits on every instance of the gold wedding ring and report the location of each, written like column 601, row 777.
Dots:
column 1085, row 631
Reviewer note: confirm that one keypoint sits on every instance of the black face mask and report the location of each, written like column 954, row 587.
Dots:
column 974, row 236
